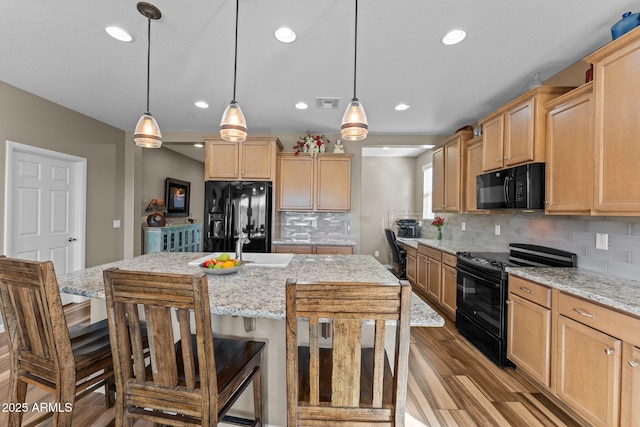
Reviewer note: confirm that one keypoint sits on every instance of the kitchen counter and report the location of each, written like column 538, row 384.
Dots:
column 326, row 241
column 253, row 292
column 443, row 245
column 615, row 292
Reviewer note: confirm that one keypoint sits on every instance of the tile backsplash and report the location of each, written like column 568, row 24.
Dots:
column 304, row 226
column 575, row 234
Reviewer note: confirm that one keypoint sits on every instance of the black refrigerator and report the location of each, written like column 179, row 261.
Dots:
column 234, row 207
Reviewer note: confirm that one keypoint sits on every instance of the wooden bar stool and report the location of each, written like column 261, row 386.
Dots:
column 189, row 379
column 348, row 381
column 43, row 351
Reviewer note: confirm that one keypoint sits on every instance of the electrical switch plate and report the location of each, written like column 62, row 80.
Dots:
column 497, row 229
column 463, row 226
column 116, row 223
column 602, row 241
column 377, row 254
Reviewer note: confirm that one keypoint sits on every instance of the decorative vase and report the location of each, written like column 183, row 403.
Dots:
column 628, row 22
column 439, row 233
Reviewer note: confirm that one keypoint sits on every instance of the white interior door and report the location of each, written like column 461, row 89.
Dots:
column 45, row 207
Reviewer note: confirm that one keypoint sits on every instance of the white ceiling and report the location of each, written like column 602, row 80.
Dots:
column 59, row 50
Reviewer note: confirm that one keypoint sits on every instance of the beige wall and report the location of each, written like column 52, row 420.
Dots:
column 31, row 120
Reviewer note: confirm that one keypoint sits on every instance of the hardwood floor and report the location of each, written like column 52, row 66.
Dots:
column 450, row 384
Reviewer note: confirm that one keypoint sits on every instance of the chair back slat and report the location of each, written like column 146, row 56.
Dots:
column 359, row 374
column 163, row 359
column 188, row 361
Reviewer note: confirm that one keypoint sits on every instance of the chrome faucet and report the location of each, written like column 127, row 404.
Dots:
column 242, row 240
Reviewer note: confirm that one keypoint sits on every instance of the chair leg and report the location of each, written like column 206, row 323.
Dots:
column 109, row 392
column 257, row 397
column 17, row 394
column 65, row 396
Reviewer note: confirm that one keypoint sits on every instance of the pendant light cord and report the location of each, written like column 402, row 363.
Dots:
column 148, row 59
column 235, row 57
column 355, row 55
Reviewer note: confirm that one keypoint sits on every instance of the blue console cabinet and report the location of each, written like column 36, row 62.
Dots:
column 173, row 238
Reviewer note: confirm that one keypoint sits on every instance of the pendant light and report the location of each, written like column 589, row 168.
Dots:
column 354, row 122
column 147, row 133
column 233, row 126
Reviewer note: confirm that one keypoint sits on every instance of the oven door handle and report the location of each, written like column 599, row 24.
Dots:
column 460, row 270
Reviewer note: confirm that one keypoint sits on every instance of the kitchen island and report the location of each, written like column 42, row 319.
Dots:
column 252, row 293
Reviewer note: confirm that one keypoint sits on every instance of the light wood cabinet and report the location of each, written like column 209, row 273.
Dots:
column 433, row 278
column 529, row 329
column 421, row 272
column 253, row 159
column 411, row 263
column 436, row 278
column 448, row 297
column 472, row 168
column 616, row 128
column 569, row 171
column 321, row 183
column 515, row 133
column 314, row 249
column 630, row 396
column 447, row 164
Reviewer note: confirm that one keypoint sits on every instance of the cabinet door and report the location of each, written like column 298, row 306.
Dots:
column 257, row 160
column 630, row 404
column 588, row 371
column 333, row 183
column 529, row 338
column 438, row 180
column 411, row 268
column 294, row 249
column 569, row 174
column 493, row 135
column 453, row 175
column 473, row 168
column 295, row 183
column 519, row 133
column 617, row 188
column 222, row 159
column 433, row 278
column 449, row 290
column 422, row 268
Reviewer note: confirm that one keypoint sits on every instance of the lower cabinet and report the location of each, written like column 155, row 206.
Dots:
column 630, row 396
column 448, row 278
column 436, row 278
column 411, row 263
column 313, row 249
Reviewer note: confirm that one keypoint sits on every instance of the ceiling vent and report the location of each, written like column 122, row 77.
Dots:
column 327, row 103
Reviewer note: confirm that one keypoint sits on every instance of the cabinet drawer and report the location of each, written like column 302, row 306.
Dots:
column 430, row 252
column 294, row 249
column 531, row 291
column 449, row 259
column 341, row 250
column 604, row 319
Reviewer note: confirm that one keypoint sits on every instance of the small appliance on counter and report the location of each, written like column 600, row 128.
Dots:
column 409, row 228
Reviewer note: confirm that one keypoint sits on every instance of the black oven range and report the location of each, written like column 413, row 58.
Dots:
column 482, row 287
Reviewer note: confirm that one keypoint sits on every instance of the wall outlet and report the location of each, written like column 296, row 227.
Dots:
column 602, row 241
column 376, row 254
column 463, row 226
column 116, row 223
column 497, row 230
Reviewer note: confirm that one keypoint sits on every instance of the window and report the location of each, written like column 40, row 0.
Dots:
column 427, row 186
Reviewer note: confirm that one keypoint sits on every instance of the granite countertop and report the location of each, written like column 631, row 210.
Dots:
column 443, row 245
column 255, row 292
column 615, row 292
column 322, row 241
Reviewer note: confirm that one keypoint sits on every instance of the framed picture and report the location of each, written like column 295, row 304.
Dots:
column 177, row 194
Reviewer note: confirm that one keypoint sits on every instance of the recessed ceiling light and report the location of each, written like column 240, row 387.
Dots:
column 454, row 37
column 198, row 145
column 302, row 106
column 402, row 107
column 285, row 35
column 118, row 34
column 201, row 104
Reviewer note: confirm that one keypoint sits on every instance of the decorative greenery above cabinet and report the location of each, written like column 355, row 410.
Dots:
column 250, row 160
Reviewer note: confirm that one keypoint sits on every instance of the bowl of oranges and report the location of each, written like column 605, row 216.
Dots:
column 221, row 265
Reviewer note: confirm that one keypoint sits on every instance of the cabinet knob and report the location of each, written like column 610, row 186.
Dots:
column 608, row 351
column 633, row 363
column 508, row 302
column 497, row 160
column 506, row 158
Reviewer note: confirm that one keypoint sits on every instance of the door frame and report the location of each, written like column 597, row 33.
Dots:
column 80, row 170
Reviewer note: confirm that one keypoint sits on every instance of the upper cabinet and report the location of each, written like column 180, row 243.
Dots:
column 321, row 183
column 616, row 126
column 472, row 157
column 514, row 134
column 569, row 136
column 447, row 164
column 251, row 160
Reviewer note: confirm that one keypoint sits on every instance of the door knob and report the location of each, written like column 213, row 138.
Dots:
column 72, row 239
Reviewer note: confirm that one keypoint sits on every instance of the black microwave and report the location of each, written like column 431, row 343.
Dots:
column 520, row 187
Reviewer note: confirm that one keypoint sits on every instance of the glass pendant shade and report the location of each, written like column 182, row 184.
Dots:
column 354, row 122
column 233, row 127
column 147, row 133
